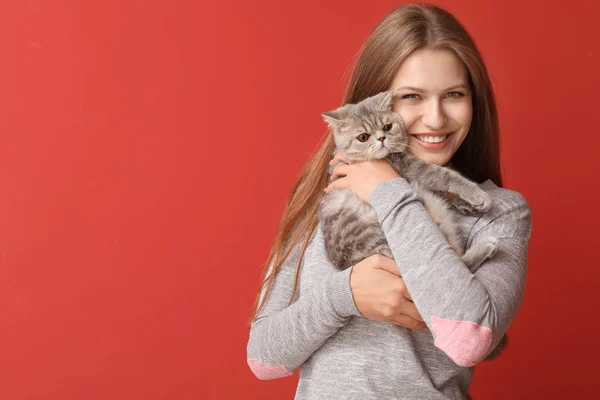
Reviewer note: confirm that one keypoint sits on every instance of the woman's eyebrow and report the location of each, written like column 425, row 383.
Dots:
column 415, row 89
column 411, row 88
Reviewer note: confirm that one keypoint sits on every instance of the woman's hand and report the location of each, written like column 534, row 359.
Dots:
column 361, row 177
column 380, row 293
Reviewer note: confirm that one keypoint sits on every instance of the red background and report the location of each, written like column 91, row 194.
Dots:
column 147, row 150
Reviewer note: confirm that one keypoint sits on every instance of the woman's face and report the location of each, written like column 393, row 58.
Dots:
column 434, row 100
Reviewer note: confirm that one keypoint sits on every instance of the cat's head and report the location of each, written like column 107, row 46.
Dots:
column 368, row 130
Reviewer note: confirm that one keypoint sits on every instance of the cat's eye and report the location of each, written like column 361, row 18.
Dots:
column 363, row 137
column 387, row 127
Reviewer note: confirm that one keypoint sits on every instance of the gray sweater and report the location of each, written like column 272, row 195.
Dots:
column 342, row 355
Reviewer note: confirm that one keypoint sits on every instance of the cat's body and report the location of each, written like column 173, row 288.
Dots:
column 352, row 231
column 350, row 226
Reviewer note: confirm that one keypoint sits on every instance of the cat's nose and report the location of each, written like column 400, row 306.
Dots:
column 381, row 139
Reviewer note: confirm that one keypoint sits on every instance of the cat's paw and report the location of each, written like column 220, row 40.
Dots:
column 482, row 202
column 479, row 203
column 491, row 246
column 464, row 207
column 486, row 202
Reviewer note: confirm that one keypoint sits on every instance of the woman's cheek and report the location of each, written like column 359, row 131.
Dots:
column 462, row 113
column 408, row 114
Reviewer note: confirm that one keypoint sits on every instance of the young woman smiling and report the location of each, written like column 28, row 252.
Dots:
column 412, row 327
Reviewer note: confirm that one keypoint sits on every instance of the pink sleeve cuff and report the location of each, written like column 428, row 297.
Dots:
column 267, row 371
column 466, row 343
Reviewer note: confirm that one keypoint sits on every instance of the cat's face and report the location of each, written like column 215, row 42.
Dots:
column 368, row 130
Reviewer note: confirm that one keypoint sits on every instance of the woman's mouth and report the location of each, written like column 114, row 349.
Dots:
column 432, row 142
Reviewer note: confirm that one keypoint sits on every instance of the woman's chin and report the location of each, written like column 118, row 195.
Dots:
column 429, row 158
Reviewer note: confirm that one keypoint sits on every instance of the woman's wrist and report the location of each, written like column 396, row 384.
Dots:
column 340, row 293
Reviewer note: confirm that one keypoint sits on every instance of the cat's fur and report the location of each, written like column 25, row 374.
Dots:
column 351, row 228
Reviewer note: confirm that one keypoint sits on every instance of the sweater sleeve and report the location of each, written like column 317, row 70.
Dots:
column 283, row 336
column 467, row 313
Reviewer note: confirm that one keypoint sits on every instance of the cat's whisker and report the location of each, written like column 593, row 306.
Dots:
column 370, row 152
column 369, row 155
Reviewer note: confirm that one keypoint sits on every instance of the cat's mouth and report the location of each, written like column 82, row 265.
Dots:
column 383, row 152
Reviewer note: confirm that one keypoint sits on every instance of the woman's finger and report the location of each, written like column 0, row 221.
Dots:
column 337, row 184
column 338, row 158
column 408, row 322
column 339, row 170
column 335, row 158
column 408, row 308
column 387, row 264
column 404, row 292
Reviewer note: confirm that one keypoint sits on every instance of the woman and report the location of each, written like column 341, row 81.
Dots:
column 413, row 327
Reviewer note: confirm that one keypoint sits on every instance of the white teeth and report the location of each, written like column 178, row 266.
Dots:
column 432, row 139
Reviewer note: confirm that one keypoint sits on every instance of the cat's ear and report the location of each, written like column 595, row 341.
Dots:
column 385, row 103
column 334, row 118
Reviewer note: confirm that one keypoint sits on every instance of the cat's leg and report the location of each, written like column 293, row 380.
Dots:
column 383, row 249
column 479, row 252
column 351, row 229
column 442, row 214
column 371, row 240
column 442, row 179
column 333, row 214
column 469, row 196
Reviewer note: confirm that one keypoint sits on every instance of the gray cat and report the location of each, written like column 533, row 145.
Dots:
column 371, row 130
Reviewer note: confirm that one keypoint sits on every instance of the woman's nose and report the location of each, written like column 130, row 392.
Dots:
column 433, row 116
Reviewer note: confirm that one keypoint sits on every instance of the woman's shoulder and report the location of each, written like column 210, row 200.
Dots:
column 504, row 200
column 510, row 212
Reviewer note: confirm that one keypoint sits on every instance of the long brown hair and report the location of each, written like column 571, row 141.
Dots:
column 404, row 30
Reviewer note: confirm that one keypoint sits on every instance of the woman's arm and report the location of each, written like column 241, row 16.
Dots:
column 282, row 337
column 467, row 313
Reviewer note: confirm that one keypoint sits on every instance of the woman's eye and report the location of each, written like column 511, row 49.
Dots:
column 363, row 137
column 455, row 94
column 387, row 127
column 411, row 96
